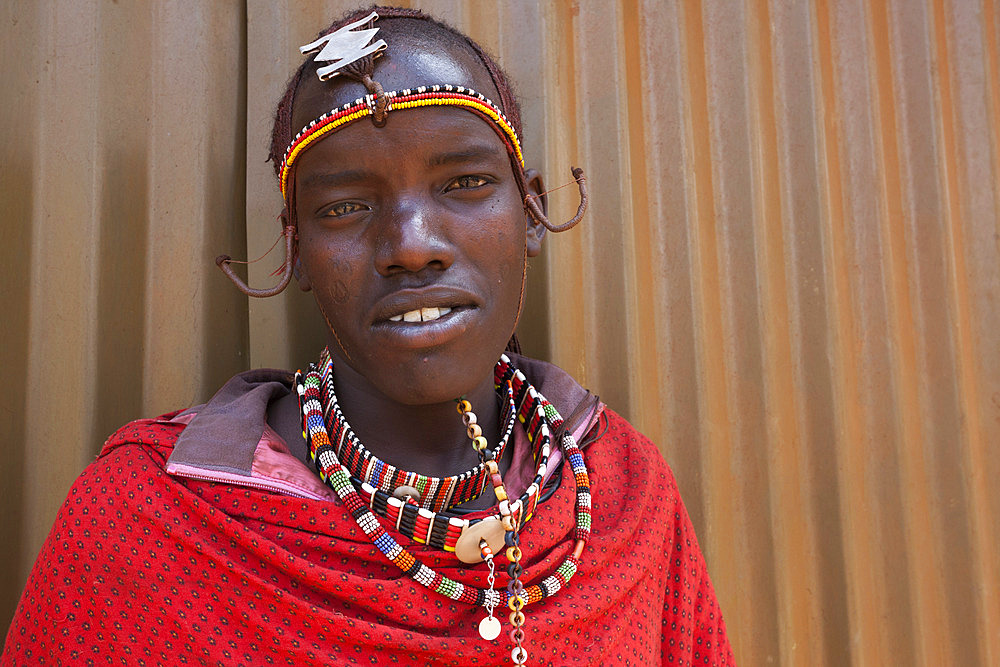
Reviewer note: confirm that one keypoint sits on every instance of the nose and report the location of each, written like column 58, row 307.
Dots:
column 411, row 239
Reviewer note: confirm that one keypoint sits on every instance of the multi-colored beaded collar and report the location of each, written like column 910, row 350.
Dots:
column 335, row 475
column 423, row 96
column 430, row 493
column 439, row 529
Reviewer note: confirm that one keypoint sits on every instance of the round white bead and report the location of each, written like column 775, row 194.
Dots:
column 489, row 628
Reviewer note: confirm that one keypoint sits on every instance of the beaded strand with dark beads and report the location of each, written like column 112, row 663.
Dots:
column 515, row 588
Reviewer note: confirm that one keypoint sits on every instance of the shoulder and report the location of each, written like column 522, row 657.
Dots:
column 629, row 463
column 134, row 454
column 158, row 435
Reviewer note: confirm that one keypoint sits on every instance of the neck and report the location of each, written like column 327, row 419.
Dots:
column 427, row 439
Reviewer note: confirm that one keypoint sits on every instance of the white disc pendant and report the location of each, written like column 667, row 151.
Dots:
column 489, row 628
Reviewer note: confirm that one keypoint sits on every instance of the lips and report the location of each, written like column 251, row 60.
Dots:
column 422, row 305
column 424, row 317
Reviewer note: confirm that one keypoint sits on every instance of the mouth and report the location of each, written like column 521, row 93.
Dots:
column 425, row 317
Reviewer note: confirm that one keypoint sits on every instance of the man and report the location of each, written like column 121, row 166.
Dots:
column 351, row 514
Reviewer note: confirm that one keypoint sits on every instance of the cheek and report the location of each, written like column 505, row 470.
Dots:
column 337, row 287
column 330, row 278
column 508, row 255
column 335, row 291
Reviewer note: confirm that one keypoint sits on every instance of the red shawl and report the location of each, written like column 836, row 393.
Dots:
column 143, row 568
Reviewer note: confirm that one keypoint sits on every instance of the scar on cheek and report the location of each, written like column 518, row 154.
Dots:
column 338, row 292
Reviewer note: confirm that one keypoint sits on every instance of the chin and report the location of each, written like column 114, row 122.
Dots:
column 430, row 378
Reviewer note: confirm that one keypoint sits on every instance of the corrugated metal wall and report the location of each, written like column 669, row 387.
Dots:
column 789, row 277
column 122, row 150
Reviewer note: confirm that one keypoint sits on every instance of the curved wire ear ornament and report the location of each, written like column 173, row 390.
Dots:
column 539, row 215
column 222, row 261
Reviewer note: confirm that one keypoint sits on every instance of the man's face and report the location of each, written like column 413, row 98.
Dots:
column 413, row 239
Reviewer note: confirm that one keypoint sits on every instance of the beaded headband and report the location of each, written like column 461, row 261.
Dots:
column 423, row 96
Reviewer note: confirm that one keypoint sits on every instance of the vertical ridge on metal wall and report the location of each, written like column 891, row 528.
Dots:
column 980, row 458
column 976, row 357
column 797, row 613
column 854, row 534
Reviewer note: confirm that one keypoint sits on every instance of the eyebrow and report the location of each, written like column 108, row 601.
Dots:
column 467, row 154
column 334, row 179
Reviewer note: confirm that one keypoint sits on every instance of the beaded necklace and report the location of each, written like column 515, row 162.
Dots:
column 431, row 493
column 516, row 597
column 443, row 530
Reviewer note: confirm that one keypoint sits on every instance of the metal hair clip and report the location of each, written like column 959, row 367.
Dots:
column 344, row 47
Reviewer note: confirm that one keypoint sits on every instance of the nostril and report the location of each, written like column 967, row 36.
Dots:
column 413, row 257
column 413, row 236
column 431, row 267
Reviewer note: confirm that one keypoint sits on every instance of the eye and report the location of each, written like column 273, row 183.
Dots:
column 344, row 208
column 465, row 182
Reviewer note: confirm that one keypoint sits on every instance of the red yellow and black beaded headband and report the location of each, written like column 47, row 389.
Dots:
column 351, row 51
column 423, row 96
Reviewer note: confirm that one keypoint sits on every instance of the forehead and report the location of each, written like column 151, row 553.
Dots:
column 412, row 59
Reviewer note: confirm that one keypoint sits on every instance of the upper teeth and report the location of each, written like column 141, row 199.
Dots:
column 420, row 315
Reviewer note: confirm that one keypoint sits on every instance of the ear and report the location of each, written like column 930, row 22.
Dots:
column 535, row 230
column 297, row 270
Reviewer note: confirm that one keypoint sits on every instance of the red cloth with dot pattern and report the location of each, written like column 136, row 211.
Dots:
column 145, row 569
